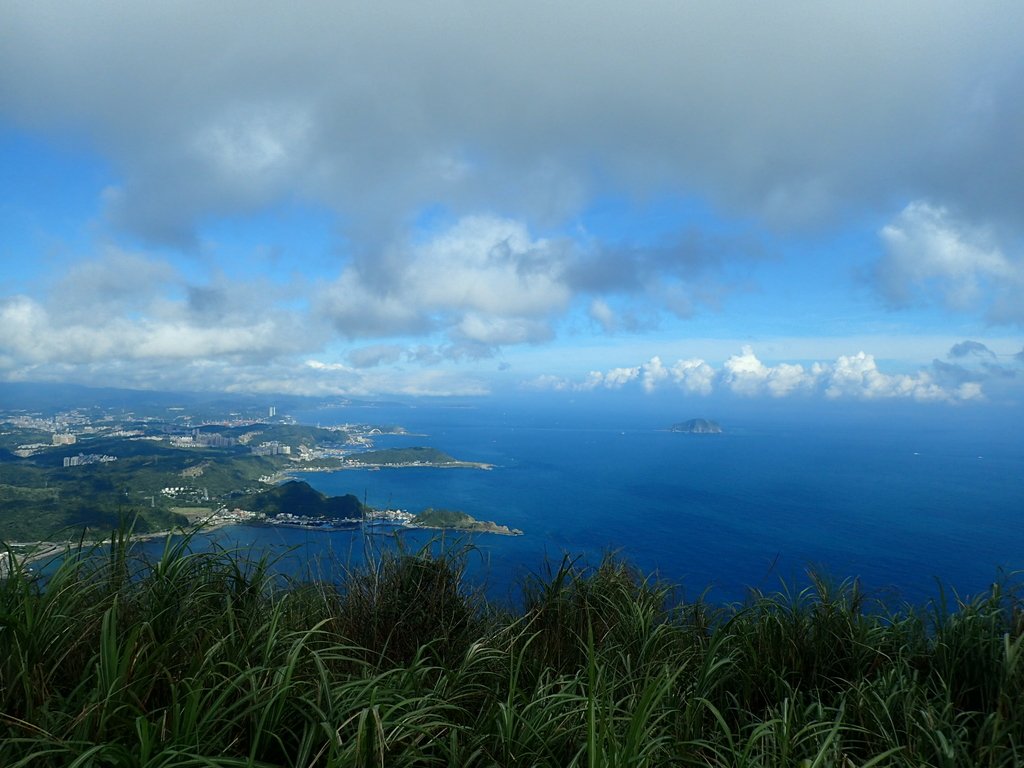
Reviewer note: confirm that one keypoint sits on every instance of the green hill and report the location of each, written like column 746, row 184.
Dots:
column 299, row 498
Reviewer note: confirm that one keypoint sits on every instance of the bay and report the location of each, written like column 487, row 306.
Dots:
column 899, row 501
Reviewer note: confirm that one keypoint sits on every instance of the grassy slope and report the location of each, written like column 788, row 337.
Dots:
column 207, row 660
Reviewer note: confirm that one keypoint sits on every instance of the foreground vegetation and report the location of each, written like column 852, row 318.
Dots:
column 209, row 659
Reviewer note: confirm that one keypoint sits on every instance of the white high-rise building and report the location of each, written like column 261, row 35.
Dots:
column 273, row 411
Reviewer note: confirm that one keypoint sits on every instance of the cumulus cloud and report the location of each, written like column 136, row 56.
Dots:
column 929, row 254
column 484, row 281
column 617, row 378
column 745, row 374
column 858, row 376
column 848, row 377
column 693, row 376
column 653, row 373
column 33, row 336
column 124, row 316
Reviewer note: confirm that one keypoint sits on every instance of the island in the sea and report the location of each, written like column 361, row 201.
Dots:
column 697, row 427
column 295, row 504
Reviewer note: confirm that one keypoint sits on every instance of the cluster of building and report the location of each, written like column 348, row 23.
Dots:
column 87, row 458
column 203, row 440
column 301, row 521
column 59, row 438
column 309, row 454
column 272, row 448
column 397, row 516
column 192, row 493
column 224, row 516
column 30, row 449
column 62, row 422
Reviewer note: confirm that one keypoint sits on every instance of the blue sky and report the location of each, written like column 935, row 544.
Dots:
column 454, row 199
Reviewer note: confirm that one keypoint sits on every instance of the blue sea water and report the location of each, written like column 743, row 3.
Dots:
column 896, row 499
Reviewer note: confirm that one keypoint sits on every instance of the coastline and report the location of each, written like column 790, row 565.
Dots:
column 48, row 550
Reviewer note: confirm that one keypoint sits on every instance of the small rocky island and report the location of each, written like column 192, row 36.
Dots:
column 697, row 427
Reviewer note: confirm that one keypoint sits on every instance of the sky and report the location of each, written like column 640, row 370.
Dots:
column 813, row 201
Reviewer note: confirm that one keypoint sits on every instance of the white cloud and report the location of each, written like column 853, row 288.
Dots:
column 500, row 331
column 123, row 316
column 858, row 376
column 483, row 280
column 930, row 254
column 653, row 373
column 849, row 376
column 617, row 378
column 693, row 376
column 745, row 374
column 33, row 336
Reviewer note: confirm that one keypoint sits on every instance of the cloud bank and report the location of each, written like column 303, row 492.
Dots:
column 855, row 376
column 787, row 113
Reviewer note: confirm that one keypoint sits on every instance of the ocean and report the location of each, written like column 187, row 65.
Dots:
column 901, row 500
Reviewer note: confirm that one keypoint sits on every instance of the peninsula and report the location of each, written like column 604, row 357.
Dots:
column 416, row 456
column 452, row 519
column 296, row 504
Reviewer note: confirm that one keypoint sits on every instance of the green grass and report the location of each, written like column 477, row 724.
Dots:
column 210, row 659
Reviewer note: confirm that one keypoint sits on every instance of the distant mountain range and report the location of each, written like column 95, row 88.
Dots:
column 52, row 397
